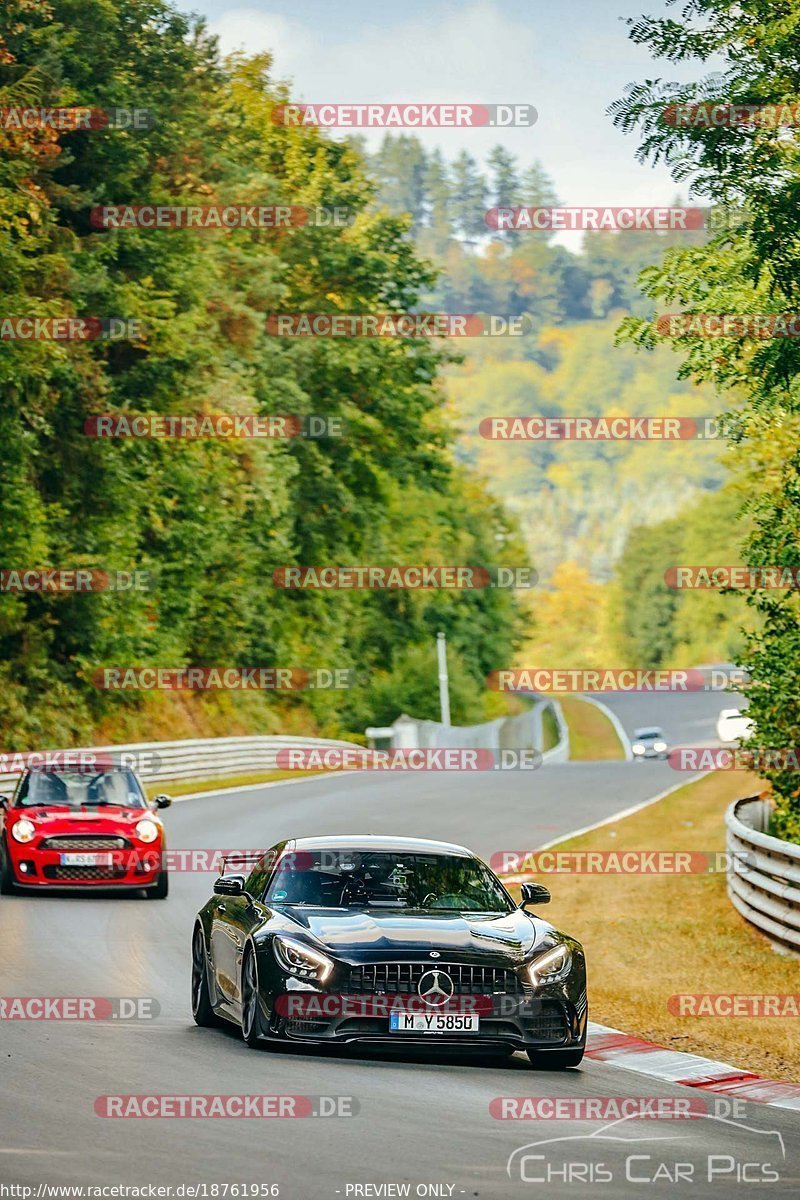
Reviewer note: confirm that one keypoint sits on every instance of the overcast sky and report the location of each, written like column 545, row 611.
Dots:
column 569, row 58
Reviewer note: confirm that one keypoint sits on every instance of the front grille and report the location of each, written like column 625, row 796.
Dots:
column 87, row 841
column 307, row 1028
column 57, row 872
column 548, row 1025
column 403, row 978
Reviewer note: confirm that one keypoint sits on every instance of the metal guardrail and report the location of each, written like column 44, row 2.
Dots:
column 215, row 758
column 199, row 758
column 764, row 874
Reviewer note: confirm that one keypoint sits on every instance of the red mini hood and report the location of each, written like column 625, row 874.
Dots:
column 83, row 820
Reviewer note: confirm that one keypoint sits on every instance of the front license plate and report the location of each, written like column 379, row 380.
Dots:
column 86, row 860
column 433, row 1022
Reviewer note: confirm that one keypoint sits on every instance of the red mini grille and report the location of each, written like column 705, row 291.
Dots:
column 78, row 873
column 88, row 841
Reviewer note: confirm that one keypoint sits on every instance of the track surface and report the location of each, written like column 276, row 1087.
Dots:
column 423, row 1120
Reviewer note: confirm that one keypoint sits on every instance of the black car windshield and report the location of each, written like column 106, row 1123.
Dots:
column 339, row 878
column 77, row 789
column 651, row 734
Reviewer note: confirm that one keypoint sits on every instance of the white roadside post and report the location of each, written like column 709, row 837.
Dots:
column 444, row 685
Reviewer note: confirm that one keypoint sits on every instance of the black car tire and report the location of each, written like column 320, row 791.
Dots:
column 202, row 1011
column 251, row 1008
column 7, row 887
column 161, row 889
column 557, row 1060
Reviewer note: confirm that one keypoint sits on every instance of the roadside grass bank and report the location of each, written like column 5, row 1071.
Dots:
column 592, row 737
column 549, row 730
column 649, row 937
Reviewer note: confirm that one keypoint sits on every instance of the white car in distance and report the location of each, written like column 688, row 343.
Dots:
column 733, row 725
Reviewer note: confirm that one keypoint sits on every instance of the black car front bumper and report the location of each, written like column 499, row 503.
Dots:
column 355, row 1002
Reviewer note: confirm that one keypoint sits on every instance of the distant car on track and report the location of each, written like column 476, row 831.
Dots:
column 733, row 725
column 649, row 743
column 390, row 941
column 82, row 829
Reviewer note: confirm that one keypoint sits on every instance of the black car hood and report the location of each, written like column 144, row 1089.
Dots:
column 508, row 936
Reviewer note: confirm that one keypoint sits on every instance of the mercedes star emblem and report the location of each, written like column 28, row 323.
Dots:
column 435, row 987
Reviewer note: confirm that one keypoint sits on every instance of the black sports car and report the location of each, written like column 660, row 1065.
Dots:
column 387, row 940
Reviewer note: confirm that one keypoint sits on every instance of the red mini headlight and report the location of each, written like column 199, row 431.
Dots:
column 147, row 830
column 23, row 830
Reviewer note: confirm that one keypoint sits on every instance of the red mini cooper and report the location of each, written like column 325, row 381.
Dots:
column 82, row 829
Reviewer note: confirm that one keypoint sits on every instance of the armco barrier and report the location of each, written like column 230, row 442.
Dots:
column 198, row 758
column 764, row 879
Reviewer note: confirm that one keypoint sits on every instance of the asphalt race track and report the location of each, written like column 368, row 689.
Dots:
column 422, row 1121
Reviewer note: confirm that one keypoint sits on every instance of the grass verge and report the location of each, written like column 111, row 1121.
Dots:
column 549, row 729
column 591, row 734
column 650, row 937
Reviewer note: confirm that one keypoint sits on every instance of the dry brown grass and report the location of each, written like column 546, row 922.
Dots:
column 649, row 937
column 591, row 734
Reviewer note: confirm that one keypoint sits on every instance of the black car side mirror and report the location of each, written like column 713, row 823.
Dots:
column 163, row 801
column 229, row 885
column 534, row 893
column 5, row 801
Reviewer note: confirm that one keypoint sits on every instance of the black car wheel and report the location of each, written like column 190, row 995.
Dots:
column 202, row 1011
column 557, row 1060
column 251, row 1011
column 6, row 873
column 161, row 889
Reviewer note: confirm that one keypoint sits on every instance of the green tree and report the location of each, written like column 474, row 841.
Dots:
column 750, row 171
column 469, row 196
column 208, row 519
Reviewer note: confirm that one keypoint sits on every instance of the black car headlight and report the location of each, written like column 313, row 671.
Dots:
column 296, row 958
column 551, row 966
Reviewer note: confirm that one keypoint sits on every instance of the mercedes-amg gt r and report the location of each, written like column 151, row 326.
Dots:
column 386, row 940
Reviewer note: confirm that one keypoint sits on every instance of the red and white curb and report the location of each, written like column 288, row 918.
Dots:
column 635, row 1054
